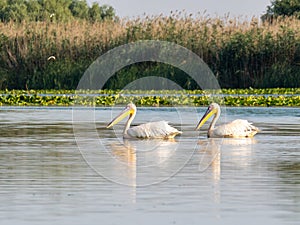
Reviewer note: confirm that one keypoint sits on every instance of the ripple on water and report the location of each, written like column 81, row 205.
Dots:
column 45, row 178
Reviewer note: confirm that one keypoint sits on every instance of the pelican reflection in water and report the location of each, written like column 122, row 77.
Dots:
column 235, row 129
column 160, row 129
column 148, row 152
column 230, row 152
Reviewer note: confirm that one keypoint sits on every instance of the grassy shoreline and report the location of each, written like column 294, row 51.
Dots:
column 288, row 97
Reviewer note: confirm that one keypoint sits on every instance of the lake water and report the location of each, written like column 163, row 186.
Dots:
column 62, row 166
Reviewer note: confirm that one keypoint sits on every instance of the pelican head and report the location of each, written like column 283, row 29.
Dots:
column 212, row 109
column 129, row 110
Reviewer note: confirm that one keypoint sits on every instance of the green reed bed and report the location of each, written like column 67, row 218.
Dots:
column 229, row 97
column 241, row 53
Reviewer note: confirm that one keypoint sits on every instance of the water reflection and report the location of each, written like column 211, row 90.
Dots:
column 238, row 149
column 215, row 150
column 125, row 153
column 210, row 161
column 138, row 157
column 152, row 152
column 43, row 175
column 211, row 156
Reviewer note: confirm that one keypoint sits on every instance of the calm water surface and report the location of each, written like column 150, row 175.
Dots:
column 58, row 166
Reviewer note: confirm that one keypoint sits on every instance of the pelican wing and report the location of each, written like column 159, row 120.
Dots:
column 159, row 129
column 237, row 128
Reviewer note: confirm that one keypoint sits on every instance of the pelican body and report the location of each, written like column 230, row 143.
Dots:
column 235, row 129
column 160, row 129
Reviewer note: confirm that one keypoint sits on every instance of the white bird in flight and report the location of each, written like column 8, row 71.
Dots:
column 160, row 129
column 235, row 129
column 52, row 57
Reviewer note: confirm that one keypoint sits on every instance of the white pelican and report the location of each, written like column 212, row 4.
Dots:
column 235, row 129
column 160, row 129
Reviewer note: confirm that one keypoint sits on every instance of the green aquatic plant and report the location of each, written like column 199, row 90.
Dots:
column 229, row 97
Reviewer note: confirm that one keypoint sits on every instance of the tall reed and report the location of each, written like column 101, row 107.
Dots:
column 241, row 53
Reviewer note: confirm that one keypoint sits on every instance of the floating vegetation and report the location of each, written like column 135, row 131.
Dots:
column 229, row 97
